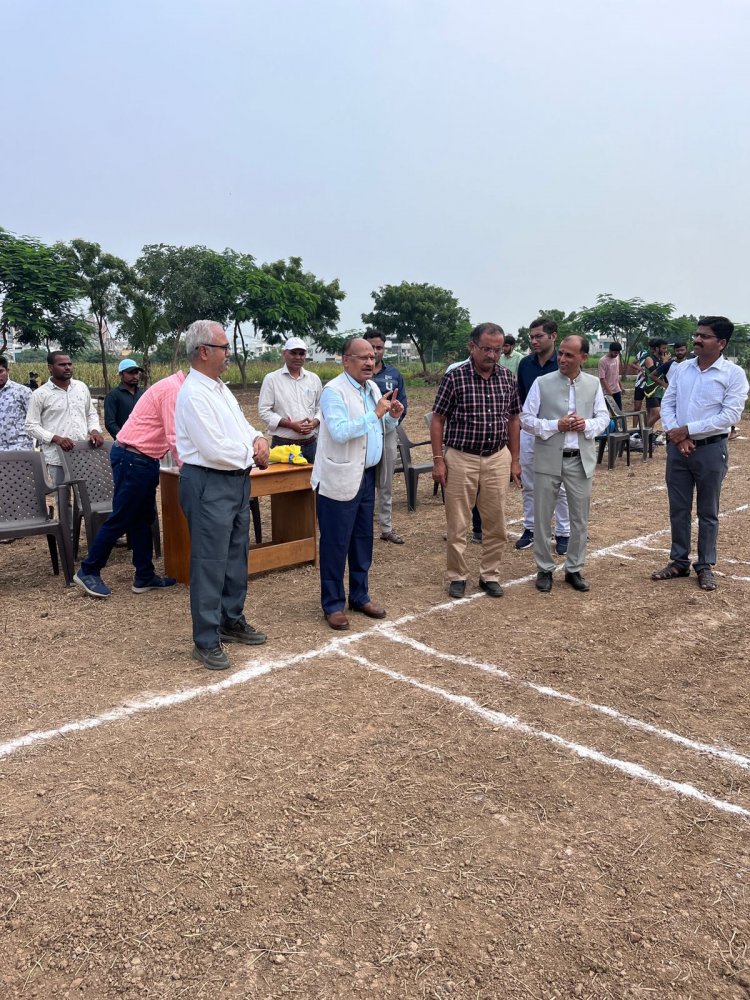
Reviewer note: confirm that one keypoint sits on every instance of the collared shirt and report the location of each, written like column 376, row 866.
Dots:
column 706, row 402
column 150, row 427
column 14, row 402
column 56, row 412
column 389, row 377
column 511, row 361
column 285, row 398
column 609, row 373
column 476, row 409
column 342, row 428
column 547, row 428
column 210, row 428
column 529, row 371
column 118, row 405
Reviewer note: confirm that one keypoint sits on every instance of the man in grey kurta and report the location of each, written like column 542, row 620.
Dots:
column 565, row 411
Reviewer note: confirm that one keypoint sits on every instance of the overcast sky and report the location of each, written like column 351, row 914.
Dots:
column 524, row 155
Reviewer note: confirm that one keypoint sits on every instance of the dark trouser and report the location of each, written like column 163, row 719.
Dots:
column 217, row 508
column 133, row 512
column 346, row 533
column 702, row 471
column 617, row 396
column 307, row 448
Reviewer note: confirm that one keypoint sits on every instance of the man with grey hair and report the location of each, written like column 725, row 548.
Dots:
column 217, row 447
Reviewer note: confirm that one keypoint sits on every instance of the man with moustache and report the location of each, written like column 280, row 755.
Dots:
column 289, row 401
column 217, row 447
column 564, row 410
column 705, row 397
column 475, row 417
column 355, row 418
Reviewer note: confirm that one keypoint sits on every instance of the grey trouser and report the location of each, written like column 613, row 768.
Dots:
column 701, row 472
column 562, row 518
column 385, row 490
column 217, row 508
column 546, row 491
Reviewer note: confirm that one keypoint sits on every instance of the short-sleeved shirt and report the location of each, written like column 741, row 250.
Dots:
column 477, row 409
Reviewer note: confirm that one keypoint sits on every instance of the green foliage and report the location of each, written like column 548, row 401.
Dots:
column 39, row 289
column 309, row 306
column 141, row 324
column 428, row 315
column 632, row 322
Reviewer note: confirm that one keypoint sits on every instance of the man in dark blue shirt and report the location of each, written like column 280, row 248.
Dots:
column 386, row 377
column 541, row 361
column 119, row 402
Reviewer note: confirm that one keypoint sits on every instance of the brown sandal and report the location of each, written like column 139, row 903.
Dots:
column 670, row 572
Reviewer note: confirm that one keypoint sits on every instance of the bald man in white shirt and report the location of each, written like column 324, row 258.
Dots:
column 217, row 447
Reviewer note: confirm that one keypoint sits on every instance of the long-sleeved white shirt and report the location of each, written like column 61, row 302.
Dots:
column 210, row 428
column 285, row 398
column 545, row 429
column 706, row 402
column 56, row 412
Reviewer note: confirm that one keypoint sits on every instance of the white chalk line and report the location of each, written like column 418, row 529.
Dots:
column 514, row 724
column 259, row 669
column 728, row 754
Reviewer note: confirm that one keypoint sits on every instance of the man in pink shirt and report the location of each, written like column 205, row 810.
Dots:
column 609, row 373
column 146, row 436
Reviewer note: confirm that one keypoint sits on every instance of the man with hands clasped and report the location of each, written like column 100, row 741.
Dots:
column 355, row 418
column 565, row 411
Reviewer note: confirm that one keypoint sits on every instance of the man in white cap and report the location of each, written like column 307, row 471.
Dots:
column 119, row 402
column 289, row 401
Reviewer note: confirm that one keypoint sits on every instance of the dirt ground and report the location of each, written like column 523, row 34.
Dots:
column 535, row 797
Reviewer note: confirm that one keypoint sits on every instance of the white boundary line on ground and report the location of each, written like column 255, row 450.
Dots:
column 586, row 753
column 257, row 669
column 730, row 755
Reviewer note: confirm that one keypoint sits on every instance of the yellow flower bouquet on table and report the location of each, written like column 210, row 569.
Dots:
column 287, row 454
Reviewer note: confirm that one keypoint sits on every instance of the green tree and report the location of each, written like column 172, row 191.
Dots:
column 187, row 283
column 429, row 316
column 105, row 280
column 39, row 289
column 141, row 324
column 299, row 319
column 630, row 321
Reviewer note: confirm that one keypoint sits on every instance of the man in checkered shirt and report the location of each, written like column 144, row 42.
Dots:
column 475, row 437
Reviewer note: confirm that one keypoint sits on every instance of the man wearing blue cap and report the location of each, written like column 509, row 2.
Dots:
column 119, row 402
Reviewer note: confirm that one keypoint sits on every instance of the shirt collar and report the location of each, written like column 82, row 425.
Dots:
column 214, row 383
column 360, row 388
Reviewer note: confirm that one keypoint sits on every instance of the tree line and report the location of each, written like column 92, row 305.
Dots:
column 58, row 294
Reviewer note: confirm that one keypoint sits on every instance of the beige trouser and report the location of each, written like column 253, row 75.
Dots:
column 473, row 479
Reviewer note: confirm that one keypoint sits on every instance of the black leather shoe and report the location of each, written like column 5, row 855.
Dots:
column 544, row 581
column 577, row 582
column 457, row 588
column 491, row 588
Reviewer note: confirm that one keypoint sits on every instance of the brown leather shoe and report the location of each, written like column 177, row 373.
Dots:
column 338, row 621
column 370, row 609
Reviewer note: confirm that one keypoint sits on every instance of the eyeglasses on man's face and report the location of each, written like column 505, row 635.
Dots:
column 361, row 357
column 539, row 336
column 489, row 351
column 226, row 348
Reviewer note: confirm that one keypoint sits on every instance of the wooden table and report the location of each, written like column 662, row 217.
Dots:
column 293, row 521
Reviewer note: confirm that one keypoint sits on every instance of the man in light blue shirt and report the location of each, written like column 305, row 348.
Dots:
column 354, row 419
column 706, row 396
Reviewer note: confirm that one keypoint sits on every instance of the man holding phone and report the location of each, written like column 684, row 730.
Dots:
column 355, row 418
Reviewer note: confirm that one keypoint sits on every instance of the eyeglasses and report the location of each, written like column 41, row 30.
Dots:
column 489, row 351
column 361, row 357
column 226, row 348
column 539, row 336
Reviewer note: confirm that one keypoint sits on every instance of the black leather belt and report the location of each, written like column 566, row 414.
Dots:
column 570, row 453
column 228, row 472
column 479, row 452
column 711, row 440
column 135, row 451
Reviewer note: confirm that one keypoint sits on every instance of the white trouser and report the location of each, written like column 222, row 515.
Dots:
column 562, row 517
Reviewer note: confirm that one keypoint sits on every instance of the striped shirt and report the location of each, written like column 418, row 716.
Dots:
column 477, row 409
column 150, row 427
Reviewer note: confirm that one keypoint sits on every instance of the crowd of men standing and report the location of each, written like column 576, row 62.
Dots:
column 499, row 419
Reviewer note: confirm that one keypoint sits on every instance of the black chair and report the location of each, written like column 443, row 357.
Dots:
column 617, row 440
column 413, row 470
column 24, row 489
column 91, row 470
column 646, row 433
